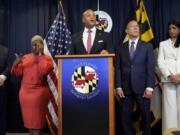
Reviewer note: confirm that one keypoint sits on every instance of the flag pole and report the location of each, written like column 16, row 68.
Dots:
column 98, row 5
column 60, row 2
column 97, row 16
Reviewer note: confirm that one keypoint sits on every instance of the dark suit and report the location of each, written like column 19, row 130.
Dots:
column 4, row 70
column 102, row 41
column 134, row 76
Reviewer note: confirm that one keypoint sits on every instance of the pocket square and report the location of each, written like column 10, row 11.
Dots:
column 100, row 41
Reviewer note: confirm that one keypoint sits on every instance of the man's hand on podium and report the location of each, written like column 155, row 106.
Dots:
column 104, row 52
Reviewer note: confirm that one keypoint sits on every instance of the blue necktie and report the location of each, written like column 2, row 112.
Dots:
column 132, row 49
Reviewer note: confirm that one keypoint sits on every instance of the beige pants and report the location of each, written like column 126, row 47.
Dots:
column 170, row 106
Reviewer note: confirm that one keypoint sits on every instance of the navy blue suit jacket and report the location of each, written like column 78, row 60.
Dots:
column 102, row 41
column 137, row 74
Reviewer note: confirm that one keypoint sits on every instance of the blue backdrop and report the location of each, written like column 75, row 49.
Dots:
column 21, row 19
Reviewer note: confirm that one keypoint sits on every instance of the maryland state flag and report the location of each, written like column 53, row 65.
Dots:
column 143, row 21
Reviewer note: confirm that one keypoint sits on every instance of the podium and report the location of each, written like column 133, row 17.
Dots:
column 86, row 94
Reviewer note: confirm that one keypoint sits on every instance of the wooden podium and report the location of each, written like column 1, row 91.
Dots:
column 86, row 94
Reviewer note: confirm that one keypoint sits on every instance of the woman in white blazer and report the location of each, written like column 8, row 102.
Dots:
column 169, row 65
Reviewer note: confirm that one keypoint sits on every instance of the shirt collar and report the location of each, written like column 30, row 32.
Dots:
column 93, row 29
column 135, row 41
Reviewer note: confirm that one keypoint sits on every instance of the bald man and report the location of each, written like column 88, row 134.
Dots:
column 91, row 40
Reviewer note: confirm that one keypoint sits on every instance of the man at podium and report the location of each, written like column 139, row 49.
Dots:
column 91, row 40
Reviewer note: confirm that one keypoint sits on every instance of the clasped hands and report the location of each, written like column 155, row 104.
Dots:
column 174, row 78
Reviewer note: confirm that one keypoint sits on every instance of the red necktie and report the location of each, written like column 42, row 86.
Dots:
column 89, row 40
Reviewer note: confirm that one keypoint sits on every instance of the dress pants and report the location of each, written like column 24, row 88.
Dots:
column 170, row 106
column 143, row 105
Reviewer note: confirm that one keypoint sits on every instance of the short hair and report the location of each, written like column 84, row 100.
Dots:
column 85, row 12
column 131, row 21
column 37, row 38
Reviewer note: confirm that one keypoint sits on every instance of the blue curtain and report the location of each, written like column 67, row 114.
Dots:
column 25, row 18
column 160, row 12
column 21, row 19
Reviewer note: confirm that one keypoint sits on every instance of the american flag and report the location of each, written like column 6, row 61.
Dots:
column 57, row 42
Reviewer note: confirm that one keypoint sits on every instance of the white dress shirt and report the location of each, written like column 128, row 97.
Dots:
column 135, row 43
column 85, row 36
